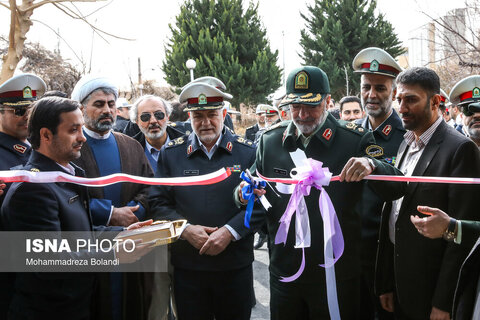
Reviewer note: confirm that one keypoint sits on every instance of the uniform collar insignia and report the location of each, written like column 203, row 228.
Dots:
column 327, row 134
column 189, row 149
column 229, row 146
column 387, row 129
column 19, row 148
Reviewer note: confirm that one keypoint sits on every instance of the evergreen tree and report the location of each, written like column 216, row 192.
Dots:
column 226, row 42
column 336, row 31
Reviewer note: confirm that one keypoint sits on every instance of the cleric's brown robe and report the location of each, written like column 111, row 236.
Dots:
column 136, row 286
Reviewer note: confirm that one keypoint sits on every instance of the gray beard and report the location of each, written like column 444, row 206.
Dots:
column 153, row 135
column 308, row 129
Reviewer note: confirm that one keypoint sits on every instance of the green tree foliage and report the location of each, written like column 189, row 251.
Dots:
column 226, row 42
column 336, row 31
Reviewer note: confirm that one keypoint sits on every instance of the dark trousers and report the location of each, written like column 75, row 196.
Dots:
column 371, row 308
column 219, row 295
column 292, row 301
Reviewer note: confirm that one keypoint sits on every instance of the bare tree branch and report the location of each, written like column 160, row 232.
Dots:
column 77, row 16
column 4, row 5
column 65, row 41
column 41, row 3
column 94, row 11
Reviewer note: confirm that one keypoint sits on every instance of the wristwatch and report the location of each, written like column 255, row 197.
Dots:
column 450, row 233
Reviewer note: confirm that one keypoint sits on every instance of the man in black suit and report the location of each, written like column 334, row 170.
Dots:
column 55, row 130
column 415, row 276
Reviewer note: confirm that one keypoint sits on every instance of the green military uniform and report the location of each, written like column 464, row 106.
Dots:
column 333, row 144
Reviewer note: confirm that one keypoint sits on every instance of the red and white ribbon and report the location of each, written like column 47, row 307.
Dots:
column 57, row 176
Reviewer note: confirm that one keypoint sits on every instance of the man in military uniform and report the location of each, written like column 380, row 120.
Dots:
column 213, row 266
column 467, row 94
column 378, row 72
column 16, row 96
column 347, row 150
column 260, row 116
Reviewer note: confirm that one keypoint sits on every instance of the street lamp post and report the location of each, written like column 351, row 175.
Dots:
column 191, row 64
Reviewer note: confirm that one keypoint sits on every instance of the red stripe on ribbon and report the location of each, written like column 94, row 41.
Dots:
column 57, row 176
column 391, row 178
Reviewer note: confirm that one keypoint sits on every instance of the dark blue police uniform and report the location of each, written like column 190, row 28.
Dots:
column 222, row 283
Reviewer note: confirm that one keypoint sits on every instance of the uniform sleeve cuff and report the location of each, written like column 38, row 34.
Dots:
column 458, row 238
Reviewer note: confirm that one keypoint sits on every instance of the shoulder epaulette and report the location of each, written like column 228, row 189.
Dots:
column 244, row 141
column 176, row 142
column 350, row 126
column 278, row 125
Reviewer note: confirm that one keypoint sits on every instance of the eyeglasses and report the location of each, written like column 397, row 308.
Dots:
column 19, row 111
column 470, row 109
column 159, row 115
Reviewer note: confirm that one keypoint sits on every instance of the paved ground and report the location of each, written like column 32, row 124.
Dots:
column 261, row 311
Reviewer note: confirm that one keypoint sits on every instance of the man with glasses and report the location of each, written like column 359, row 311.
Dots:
column 151, row 114
column 16, row 95
column 467, row 94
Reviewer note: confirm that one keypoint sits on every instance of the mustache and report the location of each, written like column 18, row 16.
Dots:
column 154, row 126
column 105, row 116
column 310, row 119
column 78, row 144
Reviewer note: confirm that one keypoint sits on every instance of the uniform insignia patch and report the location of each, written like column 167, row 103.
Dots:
column 361, row 129
column 173, row 124
column 374, row 65
column 476, row 92
column 249, row 143
column 386, row 131
column 229, row 146
column 191, row 172
column 374, row 151
column 189, row 149
column 34, row 170
column 19, row 148
column 27, row 92
column 327, row 134
column 284, row 135
column 241, row 140
column 301, row 80
column 202, row 99
column 235, row 168
column 187, row 132
column 170, row 143
column 179, row 140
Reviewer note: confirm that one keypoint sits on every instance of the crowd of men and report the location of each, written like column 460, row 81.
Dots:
column 411, row 250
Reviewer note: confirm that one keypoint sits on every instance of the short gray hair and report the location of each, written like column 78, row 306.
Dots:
column 134, row 109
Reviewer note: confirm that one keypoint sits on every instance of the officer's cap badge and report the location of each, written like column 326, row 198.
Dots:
column 202, row 99
column 301, row 80
column 374, row 66
column 27, row 92
column 476, row 92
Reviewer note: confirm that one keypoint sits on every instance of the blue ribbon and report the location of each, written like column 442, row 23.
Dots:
column 247, row 194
